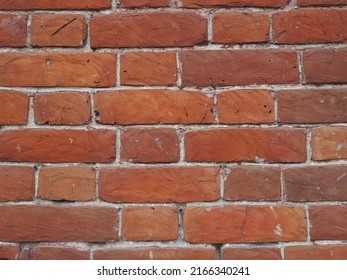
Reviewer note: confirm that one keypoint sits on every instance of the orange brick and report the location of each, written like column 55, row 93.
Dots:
column 13, row 30
column 14, row 107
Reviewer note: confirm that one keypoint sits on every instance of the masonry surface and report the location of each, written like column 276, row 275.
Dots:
column 191, row 129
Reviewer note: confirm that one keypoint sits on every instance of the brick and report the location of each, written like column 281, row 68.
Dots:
column 316, row 252
column 149, row 145
column 144, row 3
column 148, row 68
column 9, row 252
column 59, row 253
column 240, row 224
column 153, row 107
column 47, row 145
column 310, row 26
column 159, row 184
column 312, row 106
column 46, row 223
column 55, row 5
column 245, row 144
column 328, row 222
column 329, row 143
column 155, row 253
column 73, row 183
column 14, row 107
column 232, row 3
column 251, row 254
column 316, row 183
column 325, row 66
column 164, row 29
column 150, row 223
column 246, row 106
column 231, row 27
column 69, row 108
column 320, row 2
column 255, row 183
column 13, row 29
column 49, row 30
column 58, row 69
column 238, row 67
column 16, row 183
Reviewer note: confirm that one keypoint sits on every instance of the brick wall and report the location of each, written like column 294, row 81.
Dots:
column 191, row 129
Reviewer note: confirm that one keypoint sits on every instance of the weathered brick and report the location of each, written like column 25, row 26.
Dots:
column 240, row 224
column 49, row 30
column 253, row 183
column 144, row 3
column 325, row 65
column 320, row 2
column 310, row 26
column 59, row 253
column 232, row 3
column 14, row 107
column 159, row 184
column 16, row 183
column 316, row 252
column 58, row 69
column 316, row 183
column 251, row 254
column 232, row 27
column 328, row 222
column 9, row 252
column 149, row 145
column 148, row 68
column 329, row 143
column 73, row 183
column 153, row 107
column 238, row 67
column 45, row 223
column 13, row 29
column 164, row 29
column 312, row 106
column 69, row 108
column 48, row 145
column 245, row 144
column 150, row 223
column 246, row 106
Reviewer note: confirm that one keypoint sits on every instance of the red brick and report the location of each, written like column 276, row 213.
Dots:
column 9, row 252
column 13, row 29
column 238, row 67
column 45, row 223
column 59, row 253
column 46, row 145
column 329, row 143
column 310, row 26
column 149, row 145
column 246, row 106
column 148, row 68
column 328, row 222
column 164, row 29
column 58, row 69
column 251, row 254
column 150, row 223
column 316, row 183
column 320, row 2
column 16, row 183
column 245, row 144
column 316, row 252
column 144, row 3
column 49, row 30
column 14, row 107
column 159, row 184
column 69, row 108
column 153, row 107
column 240, row 224
column 255, row 183
column 325, row 65
column 155, row 253
column 312, row 106
column 73, row 183
column 55, row 5
column 232, row 3
column 232, row 27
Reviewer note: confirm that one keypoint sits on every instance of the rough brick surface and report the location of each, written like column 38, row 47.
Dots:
column 12, row 30
column 144, row 3
column 59, row 253
column 231, row 3
column 251, row 254
column 316, row 252
column 14, row 107
column 9, row 252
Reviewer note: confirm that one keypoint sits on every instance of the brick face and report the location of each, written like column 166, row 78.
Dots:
column 12, row 30
column 14, row 107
